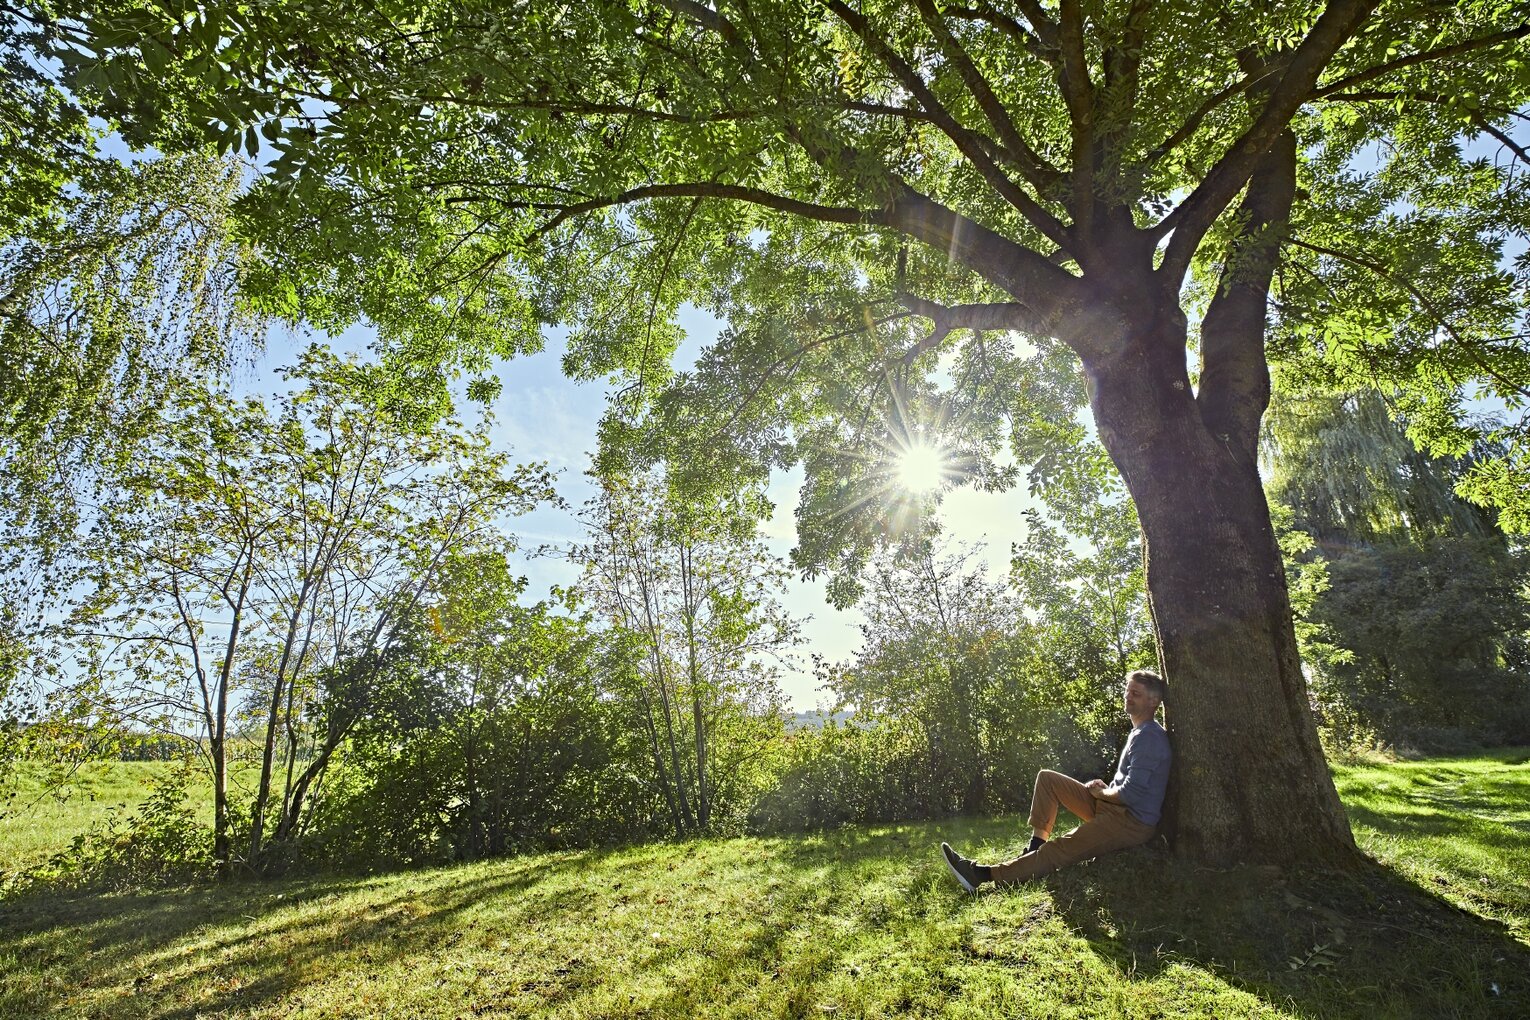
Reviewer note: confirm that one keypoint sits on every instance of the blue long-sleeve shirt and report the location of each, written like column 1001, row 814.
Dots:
column 1142, row 776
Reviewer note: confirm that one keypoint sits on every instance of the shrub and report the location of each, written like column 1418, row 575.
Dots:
column 160, row 843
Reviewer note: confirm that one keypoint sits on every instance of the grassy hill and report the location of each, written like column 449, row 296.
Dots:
column 859, row 922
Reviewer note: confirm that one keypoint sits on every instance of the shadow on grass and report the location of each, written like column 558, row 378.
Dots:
column 1363, row 943
column 234, row 946
column 776, row 924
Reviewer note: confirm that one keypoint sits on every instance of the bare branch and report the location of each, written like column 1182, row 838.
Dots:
column 579, row 107
column 794, row 356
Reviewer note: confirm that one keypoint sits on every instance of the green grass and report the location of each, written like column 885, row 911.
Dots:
column 40, row 816
column 1458, row 828
column 861, row 922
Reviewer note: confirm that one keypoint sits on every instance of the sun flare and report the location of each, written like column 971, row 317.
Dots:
column 921, row 468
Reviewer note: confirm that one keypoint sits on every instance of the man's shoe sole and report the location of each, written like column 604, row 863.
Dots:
column 945, row 855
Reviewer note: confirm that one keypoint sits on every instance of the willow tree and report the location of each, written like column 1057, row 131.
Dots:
column 866, row 191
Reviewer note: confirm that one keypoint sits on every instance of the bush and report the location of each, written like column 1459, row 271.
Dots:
column 160, row 843
column 1432, row 654
column 526, row 777
column 844, row 773
column 881, row 772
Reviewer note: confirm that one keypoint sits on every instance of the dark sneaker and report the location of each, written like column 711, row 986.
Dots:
column 1036, row 844
column 964, row 870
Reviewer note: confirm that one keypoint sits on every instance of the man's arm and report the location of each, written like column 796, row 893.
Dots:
column 1101, row 791
column 1144, row 759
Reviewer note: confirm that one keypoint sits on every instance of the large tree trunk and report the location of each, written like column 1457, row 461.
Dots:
column 1249, row 780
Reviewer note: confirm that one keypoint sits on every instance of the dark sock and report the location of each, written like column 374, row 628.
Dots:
column 1036, row 842
column 983, row 872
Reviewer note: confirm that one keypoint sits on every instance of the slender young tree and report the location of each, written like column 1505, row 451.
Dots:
column 939, row 647
column 701, row 595
column 864, row 188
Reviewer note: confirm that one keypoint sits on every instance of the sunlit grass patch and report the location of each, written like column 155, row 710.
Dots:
column 858, row 922
column 42, row 813
column 1458, row 827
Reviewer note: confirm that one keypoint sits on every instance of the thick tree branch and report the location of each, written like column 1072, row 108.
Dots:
column 1044, row 27
column 1123, row 59
column 1193, row 123
column 1036, row 170
column 961, row 136
column 704, row 16
column 1235, row 376
column 1000, row 315
column 1007, row 25
column 1024, row 164
column 1036, row 283
column 1033, row 279
column 1433, row 98
column 1412, row 59
column 946, row 318
column 1190, row 221
column 1078, row 95
column 708, row 189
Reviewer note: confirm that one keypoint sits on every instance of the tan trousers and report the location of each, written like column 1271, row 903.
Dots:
column 1106, row 827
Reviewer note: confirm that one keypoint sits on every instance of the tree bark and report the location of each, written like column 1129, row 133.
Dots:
column 273, row 717
column 1249, row 781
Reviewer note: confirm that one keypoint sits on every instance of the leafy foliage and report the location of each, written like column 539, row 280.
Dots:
column 259, row 565
column 1437, row 638
column 160, row 843
column 1348, row 473
column 765, row 161
column 497, row 734
column 109, row 311
column 1412, row 606
column 906, row 213
column 875, row 771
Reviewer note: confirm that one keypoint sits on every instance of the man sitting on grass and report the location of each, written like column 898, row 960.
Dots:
column 1115, row 816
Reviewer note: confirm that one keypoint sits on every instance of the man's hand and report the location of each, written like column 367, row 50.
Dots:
column 1100, row 790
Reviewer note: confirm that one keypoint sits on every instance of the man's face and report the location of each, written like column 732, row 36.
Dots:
column 1138, row 700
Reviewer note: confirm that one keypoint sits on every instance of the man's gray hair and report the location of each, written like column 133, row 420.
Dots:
column 1152, row 681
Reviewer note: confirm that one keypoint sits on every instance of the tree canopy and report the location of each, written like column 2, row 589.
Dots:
column 457, row 171
column 905, row 212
